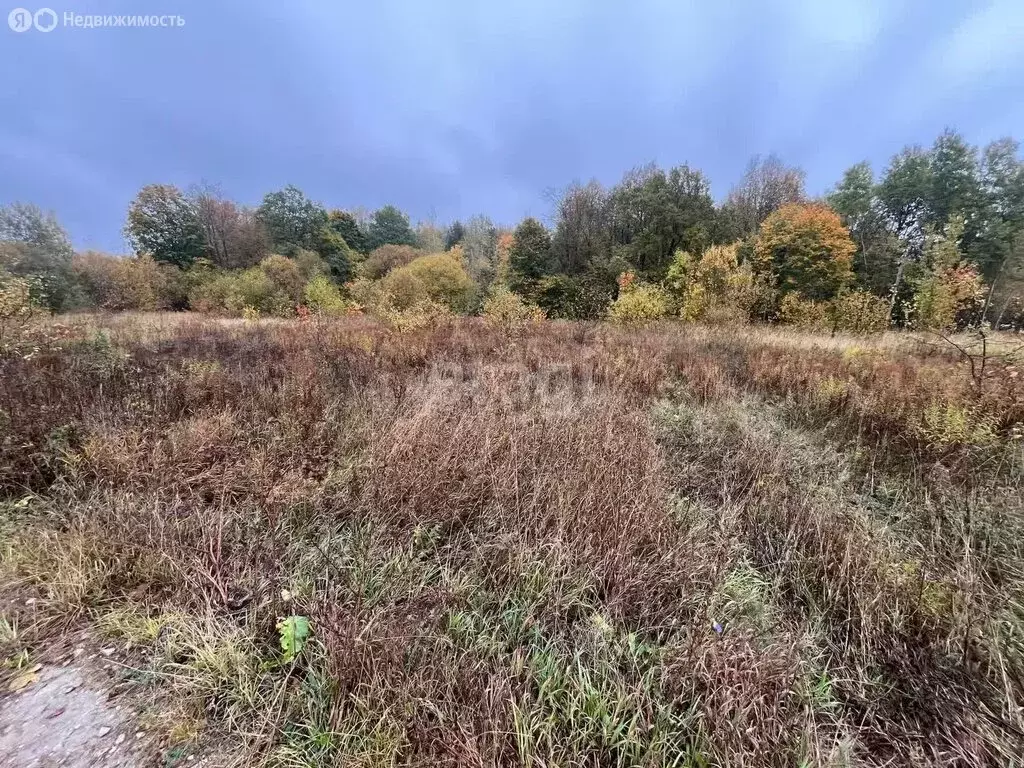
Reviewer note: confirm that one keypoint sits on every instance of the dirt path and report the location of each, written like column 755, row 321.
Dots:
column 64, row 718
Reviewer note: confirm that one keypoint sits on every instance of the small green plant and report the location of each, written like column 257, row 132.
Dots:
column 294, row 631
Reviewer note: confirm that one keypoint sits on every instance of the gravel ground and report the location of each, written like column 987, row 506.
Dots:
column 64, row 719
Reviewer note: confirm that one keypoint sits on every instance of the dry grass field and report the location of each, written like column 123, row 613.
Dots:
column 566, row 545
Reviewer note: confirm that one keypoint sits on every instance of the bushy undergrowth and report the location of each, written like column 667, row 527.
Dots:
column 572, row 545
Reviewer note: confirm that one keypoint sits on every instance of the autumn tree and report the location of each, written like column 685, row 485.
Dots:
column 712, row 288
column 164, row 223
column 804, row 248
column 444, row 279
column 234, row 237
column 947, row 287
column 388, row 257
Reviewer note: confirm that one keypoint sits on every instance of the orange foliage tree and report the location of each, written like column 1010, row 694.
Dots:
column 804, row 248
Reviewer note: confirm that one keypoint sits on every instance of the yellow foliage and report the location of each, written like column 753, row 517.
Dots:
column 324, row 298
column 947, row 424
column 508, row 311
column 805, row 249
column 716, row 288
column 443, row 279
column 944, row 294
column 639, row 302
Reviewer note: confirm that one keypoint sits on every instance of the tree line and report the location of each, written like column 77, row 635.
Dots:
column 935, row 240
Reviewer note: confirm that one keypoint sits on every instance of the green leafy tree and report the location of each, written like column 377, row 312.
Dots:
column 804, row 248
column 582, row 235
column 905, row 190
column 389, row 226
column 291, row 219
column 164, row 223
column 1000, row 235
column 529, row 257
column 34, row 245
column 878, row 254
column 654, row 213
column 956, row 183
column 333, row 249
column 346, row 226
column 905, row 193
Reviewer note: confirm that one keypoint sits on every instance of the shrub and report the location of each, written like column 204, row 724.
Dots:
column 365, row 293
column 508, row 311
column 310, row 264
column 16, row 305
column 946, row 296
column 569, row 298
column 323, row 297
column 402, row 289
column 286, row 275
column 948, row 424
column 858, row 312
column 638, row 301
column 444, row 280
column 388, row 257
column 126, row 283
column 231, row 293
column 716, row 289
column 803, row 313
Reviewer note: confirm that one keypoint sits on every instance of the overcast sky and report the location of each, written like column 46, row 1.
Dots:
column 447, row 109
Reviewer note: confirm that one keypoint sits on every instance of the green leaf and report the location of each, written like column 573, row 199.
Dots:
column 294, row 631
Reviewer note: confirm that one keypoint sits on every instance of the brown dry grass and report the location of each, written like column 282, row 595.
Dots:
column 572, row 545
